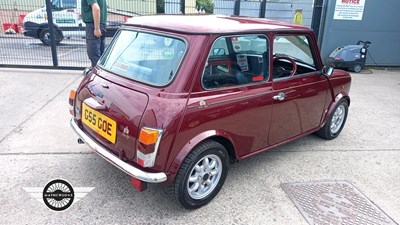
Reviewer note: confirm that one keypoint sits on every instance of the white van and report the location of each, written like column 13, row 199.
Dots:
column 67, row 21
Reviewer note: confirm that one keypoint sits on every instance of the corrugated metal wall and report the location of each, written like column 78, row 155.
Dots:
column 282, row 10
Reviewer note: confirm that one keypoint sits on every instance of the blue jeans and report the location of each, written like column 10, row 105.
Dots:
column 94, row 45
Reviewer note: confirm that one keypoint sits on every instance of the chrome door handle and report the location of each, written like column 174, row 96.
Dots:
column 280, row 97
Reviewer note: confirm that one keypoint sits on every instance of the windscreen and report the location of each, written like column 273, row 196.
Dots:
column 148, row 58
column 68, row 4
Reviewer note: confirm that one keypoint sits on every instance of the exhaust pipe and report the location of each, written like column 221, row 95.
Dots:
column 80, row 141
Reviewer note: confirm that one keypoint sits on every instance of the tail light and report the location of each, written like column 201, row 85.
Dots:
column 71, row 101
column 147, row 147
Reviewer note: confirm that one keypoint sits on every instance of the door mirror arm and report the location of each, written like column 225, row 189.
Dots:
column 86, row 71
column 327, row 71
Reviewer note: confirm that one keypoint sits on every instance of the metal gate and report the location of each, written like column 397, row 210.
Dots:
column 63, row 45
column 35, row 49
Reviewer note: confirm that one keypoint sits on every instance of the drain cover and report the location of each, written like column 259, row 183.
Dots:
column 334, row 202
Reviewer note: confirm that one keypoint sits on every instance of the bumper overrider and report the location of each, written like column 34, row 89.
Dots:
column 127, row 168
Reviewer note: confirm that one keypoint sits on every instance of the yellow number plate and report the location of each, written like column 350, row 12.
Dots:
column 100, row 123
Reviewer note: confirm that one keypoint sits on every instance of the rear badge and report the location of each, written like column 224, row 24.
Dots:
column 126, row 130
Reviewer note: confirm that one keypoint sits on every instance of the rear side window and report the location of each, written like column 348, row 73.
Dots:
column 148, row 58
column 236, row 60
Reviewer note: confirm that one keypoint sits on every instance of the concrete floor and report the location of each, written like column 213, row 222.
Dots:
column 37, row 145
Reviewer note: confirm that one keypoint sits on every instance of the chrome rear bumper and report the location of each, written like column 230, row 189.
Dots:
column 127, row 168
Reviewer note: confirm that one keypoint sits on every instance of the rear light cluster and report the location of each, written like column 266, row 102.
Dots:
column 147, row 147
column 71, row 101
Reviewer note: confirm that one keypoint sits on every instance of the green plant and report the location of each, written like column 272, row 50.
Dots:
column 207, row 5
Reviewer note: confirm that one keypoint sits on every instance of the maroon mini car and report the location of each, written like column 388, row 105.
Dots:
column 175, row 99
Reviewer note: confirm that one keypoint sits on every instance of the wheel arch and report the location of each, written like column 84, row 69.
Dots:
column 347, row 98
column 221, row 137
column 227, row 143
column 43, row 26
column 338, row 97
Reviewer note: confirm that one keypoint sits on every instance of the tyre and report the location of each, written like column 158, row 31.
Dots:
column 357, row 68
column 45, row 37
column 201, row 175
column 335, row 122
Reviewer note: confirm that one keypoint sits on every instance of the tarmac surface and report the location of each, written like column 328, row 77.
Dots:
column 37, row 145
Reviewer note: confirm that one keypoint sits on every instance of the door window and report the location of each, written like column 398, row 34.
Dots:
column 236, row 60
column 292, row 56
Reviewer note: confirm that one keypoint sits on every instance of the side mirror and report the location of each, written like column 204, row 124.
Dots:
column 218, row 51
column 86, row 71
column 327, row 71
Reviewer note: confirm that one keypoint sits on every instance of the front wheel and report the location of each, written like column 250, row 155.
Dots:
column 357, row 68
column 335, row 122
column 201, row 175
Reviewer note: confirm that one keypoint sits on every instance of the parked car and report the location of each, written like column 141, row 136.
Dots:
column 175, row 99
column 67, row 20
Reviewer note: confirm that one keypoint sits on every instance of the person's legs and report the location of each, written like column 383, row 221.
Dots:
column 103, row 39
column 93, row 44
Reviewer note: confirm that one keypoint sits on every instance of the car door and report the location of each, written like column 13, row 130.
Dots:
column 299, row 91
column 234, row 96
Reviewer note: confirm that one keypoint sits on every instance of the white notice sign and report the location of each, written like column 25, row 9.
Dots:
column 349, row 9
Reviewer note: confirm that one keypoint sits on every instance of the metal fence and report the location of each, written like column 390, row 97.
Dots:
column 35, row 49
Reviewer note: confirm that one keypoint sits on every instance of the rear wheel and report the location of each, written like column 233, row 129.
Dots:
column 335, row 122
column 45, row 37
column 201, row 175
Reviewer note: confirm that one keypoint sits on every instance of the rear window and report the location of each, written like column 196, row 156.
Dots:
column 149, row 58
